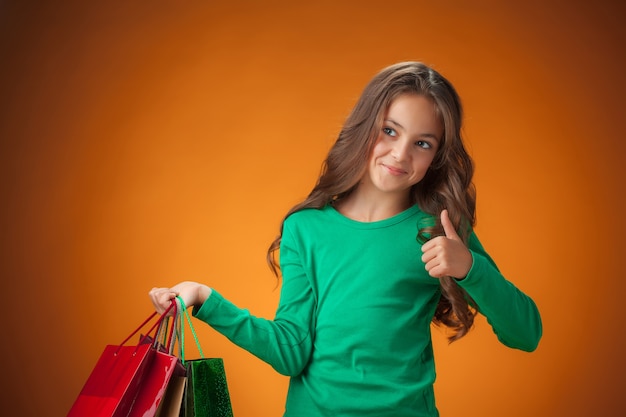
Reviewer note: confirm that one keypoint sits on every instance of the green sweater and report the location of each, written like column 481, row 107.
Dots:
column 352, row 328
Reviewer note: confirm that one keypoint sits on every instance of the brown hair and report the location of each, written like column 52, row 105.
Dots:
column 446, row 185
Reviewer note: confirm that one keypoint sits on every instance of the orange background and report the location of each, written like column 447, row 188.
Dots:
column 146, row 144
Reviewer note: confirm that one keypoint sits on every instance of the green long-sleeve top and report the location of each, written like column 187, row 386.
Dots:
column 352, row 328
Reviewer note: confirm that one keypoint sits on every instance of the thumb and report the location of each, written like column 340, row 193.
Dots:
column 448, row 227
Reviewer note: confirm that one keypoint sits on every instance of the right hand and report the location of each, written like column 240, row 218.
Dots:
column 192, row 293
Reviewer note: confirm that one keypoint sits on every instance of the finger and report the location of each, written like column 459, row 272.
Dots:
column 448, row 227
column 161, row 298
column 428, row 256
column 433, row 268
column 166, row 301
column 435, row 273
column 432, row 244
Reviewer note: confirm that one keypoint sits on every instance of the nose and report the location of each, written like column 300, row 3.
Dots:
column 400, row 150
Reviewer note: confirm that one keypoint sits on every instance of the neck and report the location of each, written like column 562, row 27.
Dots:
column 367, row 209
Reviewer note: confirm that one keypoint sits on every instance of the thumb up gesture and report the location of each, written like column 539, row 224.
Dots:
column 447, row 256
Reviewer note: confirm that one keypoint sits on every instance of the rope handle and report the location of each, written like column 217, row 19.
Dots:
column 183, row 313
column 161, row 339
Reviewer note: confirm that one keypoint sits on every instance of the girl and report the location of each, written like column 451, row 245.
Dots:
column 382, row 246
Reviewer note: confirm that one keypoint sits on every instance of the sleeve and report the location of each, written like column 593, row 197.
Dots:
column 512, row 314
column 286, row 342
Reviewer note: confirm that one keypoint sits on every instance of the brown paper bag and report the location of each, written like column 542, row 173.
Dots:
column 173, row 399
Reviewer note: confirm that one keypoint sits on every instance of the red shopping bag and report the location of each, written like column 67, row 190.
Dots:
column 114, row 383
column 154, row 384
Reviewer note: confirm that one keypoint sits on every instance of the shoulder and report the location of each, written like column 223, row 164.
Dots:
column 308, row 216
column 308, row 223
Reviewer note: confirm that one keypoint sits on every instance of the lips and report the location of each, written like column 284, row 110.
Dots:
column 394, row 170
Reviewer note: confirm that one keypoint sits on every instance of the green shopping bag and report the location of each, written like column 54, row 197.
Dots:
column 206, row 391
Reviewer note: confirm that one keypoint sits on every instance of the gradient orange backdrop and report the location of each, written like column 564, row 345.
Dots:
column 143, row 144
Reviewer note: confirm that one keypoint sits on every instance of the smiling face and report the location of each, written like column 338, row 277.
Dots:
column 406, row 146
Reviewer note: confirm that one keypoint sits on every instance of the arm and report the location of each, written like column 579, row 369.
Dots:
column 285, row 342
column 513, row 315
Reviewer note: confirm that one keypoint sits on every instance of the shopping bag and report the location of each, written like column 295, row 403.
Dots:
column 154, row 385
column 172, row 401
column 206, row 391
column 114, row 383
column 161, row 381
column 170, row 405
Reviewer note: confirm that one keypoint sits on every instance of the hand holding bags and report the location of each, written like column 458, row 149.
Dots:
column 148, row 380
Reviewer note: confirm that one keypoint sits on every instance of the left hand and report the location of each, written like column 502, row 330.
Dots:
column 447, row 256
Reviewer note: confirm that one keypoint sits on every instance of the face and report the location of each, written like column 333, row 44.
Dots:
column 405, row 147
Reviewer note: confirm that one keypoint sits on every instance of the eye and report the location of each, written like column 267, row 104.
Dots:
column 423, row 144
column 390, row 132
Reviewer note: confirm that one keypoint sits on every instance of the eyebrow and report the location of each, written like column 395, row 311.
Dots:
column 421, row 135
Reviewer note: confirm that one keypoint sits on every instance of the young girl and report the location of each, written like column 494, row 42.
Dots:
column 382, row 246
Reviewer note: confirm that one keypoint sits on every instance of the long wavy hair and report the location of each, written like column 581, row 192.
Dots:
column 446, row 185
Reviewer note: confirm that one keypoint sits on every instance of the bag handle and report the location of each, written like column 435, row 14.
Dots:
column 157, row 323
column 185, row 314
column 161, row 337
